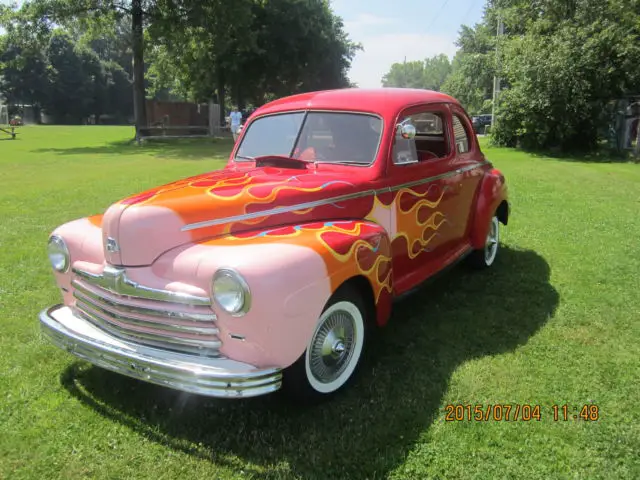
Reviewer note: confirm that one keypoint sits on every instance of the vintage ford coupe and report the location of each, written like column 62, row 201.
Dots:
column 273, row 271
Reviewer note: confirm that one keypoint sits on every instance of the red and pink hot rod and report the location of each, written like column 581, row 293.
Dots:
column 271, row 272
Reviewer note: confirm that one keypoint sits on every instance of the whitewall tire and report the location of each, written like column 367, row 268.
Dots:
column 486, row 256
column 335, row 347
column 334, row 351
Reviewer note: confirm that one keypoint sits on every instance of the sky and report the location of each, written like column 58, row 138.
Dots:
column 415, row 29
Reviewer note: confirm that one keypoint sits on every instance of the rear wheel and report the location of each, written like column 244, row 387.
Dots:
column 334, row 351
column 486, row 256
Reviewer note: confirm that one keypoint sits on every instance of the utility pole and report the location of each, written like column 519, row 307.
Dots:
column 404, row 73
column 496, row 79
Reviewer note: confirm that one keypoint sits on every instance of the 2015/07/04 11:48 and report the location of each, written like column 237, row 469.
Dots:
column 519, row 412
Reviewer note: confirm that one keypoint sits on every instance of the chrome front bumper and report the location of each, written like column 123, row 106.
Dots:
column 213, row 377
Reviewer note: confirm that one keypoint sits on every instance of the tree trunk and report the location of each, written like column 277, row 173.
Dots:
column 221, row 96
column 137, row 45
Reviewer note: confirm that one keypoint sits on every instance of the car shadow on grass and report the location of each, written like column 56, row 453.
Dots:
column 182, row 149
column 370, row 429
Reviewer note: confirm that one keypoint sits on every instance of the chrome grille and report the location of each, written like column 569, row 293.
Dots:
column 146, row 319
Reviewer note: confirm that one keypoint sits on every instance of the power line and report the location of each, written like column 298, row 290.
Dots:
column 438, row 14
column 471, row 5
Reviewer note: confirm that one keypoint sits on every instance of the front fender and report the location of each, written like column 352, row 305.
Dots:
column 492, row 198
column 291, row 271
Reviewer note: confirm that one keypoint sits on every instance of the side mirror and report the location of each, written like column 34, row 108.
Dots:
column 407, row 131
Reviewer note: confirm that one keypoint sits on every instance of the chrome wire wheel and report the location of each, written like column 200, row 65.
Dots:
column 335, row 347
column 492, row 242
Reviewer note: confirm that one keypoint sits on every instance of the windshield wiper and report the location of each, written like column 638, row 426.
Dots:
column 246, row 157
column 281, row 160
column 343, row 162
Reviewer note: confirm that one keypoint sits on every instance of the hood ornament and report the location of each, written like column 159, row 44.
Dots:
column 112, row 245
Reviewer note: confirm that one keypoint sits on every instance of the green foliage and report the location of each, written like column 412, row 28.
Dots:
column 469, row 77
column 563, row 63
column 429, row 74
column 252, row 50
column 258, row 49
column 473, row 67
column 72, row 71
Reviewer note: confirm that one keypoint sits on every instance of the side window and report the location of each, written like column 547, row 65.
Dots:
column 460, row 135
column 429, row 143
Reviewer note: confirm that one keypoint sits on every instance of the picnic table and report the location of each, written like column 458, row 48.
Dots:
column 9, row 131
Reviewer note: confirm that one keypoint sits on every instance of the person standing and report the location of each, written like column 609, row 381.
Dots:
column 236, row 121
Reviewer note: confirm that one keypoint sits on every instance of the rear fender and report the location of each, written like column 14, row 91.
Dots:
column 492, row 199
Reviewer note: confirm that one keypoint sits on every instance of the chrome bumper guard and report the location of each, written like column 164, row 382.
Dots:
column 213, row 377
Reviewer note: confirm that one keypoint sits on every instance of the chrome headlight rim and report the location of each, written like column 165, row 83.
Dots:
column 243, row 288
column 56, row 241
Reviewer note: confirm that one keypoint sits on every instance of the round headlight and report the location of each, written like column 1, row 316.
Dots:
column 58, row 254
column 231, row 292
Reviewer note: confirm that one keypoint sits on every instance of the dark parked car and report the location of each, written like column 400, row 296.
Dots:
column 480, row 122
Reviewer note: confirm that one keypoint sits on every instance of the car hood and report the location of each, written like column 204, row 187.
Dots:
column 140, row 228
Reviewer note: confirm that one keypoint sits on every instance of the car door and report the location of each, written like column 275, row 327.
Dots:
column 424, row 189
column 468, row 162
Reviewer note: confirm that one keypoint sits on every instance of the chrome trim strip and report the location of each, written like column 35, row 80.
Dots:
column 115, row 280
column 276, row 211
column 105, row 312
column 160, row 311
column 214, row 377
column 326, row 201
column 162, row 341
column 422, row 181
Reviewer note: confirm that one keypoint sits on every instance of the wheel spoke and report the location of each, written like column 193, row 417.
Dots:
column 492, row 241
column 332, row 347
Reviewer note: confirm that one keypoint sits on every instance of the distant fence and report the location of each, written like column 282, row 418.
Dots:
column 182, row 120
column 177, row 113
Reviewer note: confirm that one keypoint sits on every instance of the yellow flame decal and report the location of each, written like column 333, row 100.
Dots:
column 419, row 239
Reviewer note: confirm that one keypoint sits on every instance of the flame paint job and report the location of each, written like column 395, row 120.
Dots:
column 348, row 248
column 374, row 222
column 228, row 193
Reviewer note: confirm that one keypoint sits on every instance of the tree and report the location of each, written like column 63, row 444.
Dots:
column 405, row 75
column 429, row 74
column 24, row 75
column 64, row 11
column 564, row 62
column 253, row 49
column 473, row 67
column 204, row 40
column 436, row 70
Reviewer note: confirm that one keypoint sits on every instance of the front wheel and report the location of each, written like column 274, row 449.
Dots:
column 486, row 256
column 334, row 351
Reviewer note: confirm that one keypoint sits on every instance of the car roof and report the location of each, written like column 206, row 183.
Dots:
column 382, row 101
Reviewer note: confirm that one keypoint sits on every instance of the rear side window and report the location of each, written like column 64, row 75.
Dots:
column 460, row 135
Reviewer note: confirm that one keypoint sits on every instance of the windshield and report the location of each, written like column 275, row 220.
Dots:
column 326, row 137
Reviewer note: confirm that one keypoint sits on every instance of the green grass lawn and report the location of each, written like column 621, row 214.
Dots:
column 556, row 321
